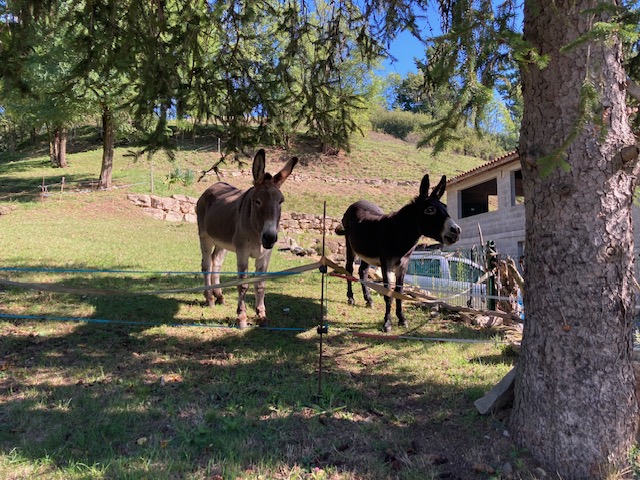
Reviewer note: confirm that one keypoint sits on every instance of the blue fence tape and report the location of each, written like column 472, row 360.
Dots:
column 133, row 272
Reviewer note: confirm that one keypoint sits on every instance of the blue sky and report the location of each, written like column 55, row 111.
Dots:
column 404, row 48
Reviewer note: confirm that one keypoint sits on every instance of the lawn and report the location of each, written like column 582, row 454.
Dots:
column 120, row 381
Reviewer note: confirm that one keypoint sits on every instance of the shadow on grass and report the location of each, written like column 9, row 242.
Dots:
column 243, row 400
column 29, row 190
column 144, row 300
column 135, row 401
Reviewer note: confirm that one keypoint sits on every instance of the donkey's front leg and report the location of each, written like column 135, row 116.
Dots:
column 243, row 267
column 399, row 288
column 387, row 300
column 262, row 264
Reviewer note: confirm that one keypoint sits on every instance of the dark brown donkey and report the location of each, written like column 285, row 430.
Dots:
column 387, row 241
column 245, row 222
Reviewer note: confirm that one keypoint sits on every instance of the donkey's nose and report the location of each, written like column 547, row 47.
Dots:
column 269, row 239
column 451, row 234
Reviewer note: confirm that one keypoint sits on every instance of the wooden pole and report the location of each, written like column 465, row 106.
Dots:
column 152, row 186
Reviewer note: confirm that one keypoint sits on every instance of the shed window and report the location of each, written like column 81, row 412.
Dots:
column 517, row 193
column 478, row 199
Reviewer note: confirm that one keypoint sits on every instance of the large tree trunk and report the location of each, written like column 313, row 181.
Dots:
column 53, row 147
column 62, row 148
column 108, row 142
column 58, row 147
column 575, row 406
column 12, row 139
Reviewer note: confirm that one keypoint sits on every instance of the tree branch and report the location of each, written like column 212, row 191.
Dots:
column 633, row 89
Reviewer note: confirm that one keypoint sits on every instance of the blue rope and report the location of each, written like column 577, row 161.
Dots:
column 137, row 272
column 130, row 322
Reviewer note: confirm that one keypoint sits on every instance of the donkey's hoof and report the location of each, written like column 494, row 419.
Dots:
column 369, row 303
column 403, row 324
column 209, row 302
column 220, row 301
column 386, row 328
column 242, row 319
column 263, row 322
column 351, row 301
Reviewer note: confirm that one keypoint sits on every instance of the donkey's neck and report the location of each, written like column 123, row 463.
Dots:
column 404, row 225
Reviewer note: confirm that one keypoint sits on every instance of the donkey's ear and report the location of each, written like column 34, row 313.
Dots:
column 282, row 175
column 424, row 187
column 439, row 189
column 258, row 167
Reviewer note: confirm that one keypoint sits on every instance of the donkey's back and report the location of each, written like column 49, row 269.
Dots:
column 366, row 230
column 217, row 211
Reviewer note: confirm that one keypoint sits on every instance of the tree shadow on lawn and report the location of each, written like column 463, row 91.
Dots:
column 30, row 190
column 169, row 400
column 226, row 402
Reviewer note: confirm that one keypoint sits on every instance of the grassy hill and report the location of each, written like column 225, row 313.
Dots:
column 375, row 157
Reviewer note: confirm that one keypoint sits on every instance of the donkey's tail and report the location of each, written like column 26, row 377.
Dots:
column 340, row 230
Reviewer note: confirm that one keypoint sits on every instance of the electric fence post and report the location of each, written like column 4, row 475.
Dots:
column 322, row 328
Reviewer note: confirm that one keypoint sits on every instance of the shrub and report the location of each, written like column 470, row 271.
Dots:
column 466, row 141
column 186, row 177
column 396, row 122
column 479, row 146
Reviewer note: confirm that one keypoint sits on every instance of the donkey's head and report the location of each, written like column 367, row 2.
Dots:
column 435, row 221
column 266, row 199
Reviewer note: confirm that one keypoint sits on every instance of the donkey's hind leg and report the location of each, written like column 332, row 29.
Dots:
column 206, row 245
column 362, row 273
column 217, row 257
column 349, row 268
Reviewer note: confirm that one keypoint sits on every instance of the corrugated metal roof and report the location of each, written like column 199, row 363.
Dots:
column 490, row 165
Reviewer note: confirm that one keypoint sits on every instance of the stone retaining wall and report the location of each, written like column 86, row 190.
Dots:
column 176, row 208
column 180, row 208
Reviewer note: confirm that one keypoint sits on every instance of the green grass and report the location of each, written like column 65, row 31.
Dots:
column 374, row 156
column 398, row 160
column 157, row 397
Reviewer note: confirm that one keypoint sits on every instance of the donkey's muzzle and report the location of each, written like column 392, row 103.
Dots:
column 269, row 239
column 451, row 232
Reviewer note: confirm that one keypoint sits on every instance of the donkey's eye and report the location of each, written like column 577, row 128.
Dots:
column 258, row 202
column 430, row 210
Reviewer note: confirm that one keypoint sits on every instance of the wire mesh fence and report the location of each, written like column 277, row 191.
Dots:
column 457, row 276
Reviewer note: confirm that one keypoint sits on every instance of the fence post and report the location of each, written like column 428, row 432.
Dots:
column 491, row 281
column 152, row 178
